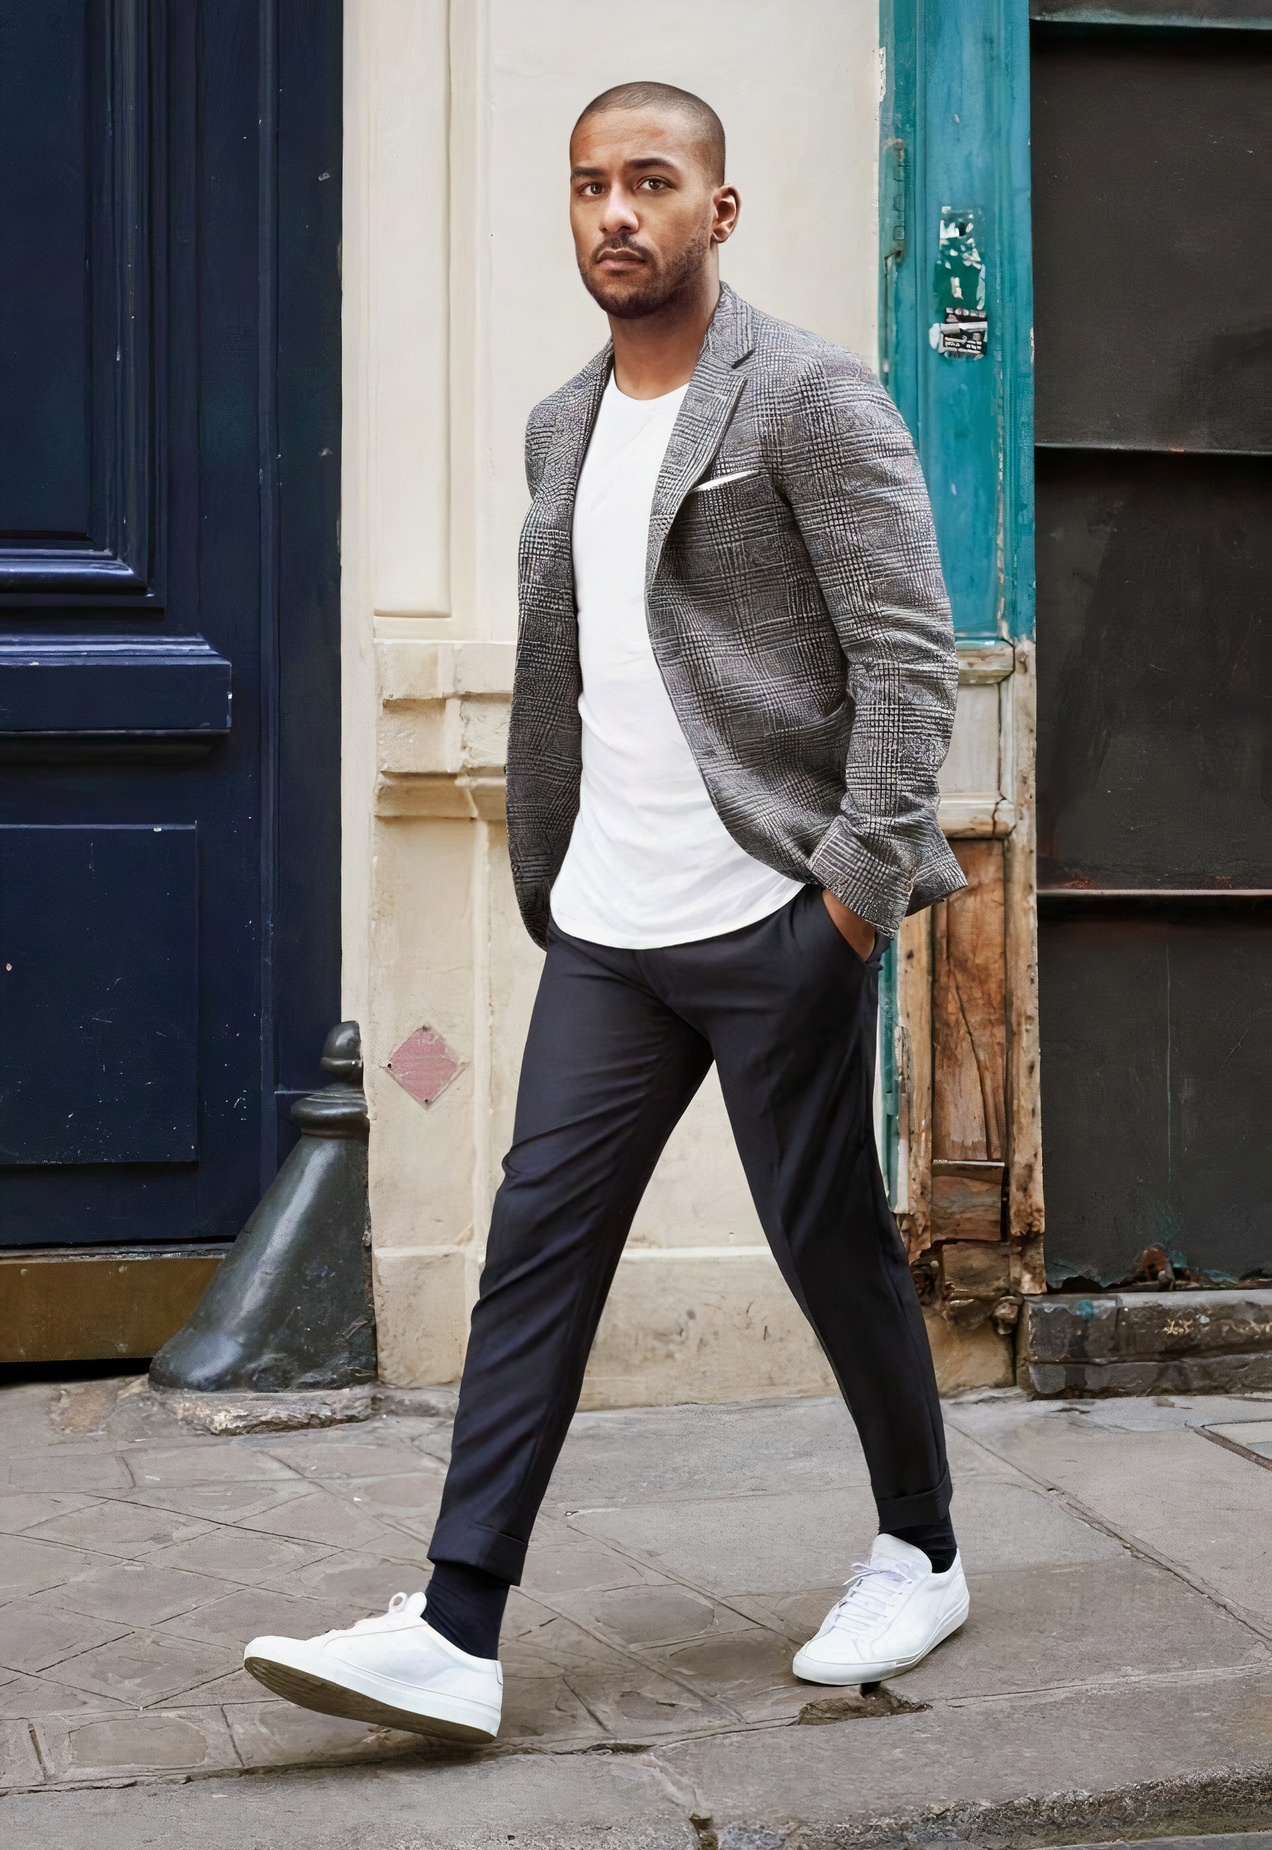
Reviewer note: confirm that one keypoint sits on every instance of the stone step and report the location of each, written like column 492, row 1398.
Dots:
column 1140, row 1342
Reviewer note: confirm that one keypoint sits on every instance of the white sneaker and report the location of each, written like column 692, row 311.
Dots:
column 894, row 1612
column 393, row 1669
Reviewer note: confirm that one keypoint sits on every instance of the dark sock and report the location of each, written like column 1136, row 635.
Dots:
column 936, row 1539
column 466, row 1605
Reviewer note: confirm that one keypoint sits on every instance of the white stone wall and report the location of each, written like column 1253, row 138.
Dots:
column 462, row 308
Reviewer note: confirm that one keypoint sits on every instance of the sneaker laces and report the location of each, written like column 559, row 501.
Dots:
column 874, row 1588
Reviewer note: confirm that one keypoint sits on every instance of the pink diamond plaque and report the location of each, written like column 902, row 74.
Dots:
column 424, row 1065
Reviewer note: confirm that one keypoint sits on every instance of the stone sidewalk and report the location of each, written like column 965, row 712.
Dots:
column 1120, row 1644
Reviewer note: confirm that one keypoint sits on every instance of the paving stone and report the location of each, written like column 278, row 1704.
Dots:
column 222, row 1502
column 25, row 1409
column 33, row 1636
column 652, row 1614
column 235, row 1686
column 633, row 1702
column 24, row 1697
column 137, row 1593
column 19, row 1762
column 22, row 1509
column 363, row 1581
column 1190, row 1499
column 108, row 1746
column 1015, row 1525
column 277, row 1734
column 1042, row 1627
column 119, row 1528
column 30, row 1566
column 698, row 1452
column 143, row 1667
column 204, row 1461
column 578, row 1567
column 1254, row 1435
column 242, row 1555
column 545, row 1708
column 318, row 1516
column 77, row 1469
column 418, row 1490
column 255, row 1612
column 788, row 1544
column 749, row 1670
column 316, row 1457
column 536, row 1642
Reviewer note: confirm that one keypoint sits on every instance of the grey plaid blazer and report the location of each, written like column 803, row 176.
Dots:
column 796, row 611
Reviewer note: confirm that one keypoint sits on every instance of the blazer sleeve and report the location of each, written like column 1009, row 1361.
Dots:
column 852, row 480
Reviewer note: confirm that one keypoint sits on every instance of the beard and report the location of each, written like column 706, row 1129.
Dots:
column 645, row 292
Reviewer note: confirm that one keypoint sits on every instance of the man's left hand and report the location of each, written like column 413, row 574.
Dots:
column 859, row 932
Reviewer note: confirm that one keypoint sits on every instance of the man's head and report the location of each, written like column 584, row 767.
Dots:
column 648, row 202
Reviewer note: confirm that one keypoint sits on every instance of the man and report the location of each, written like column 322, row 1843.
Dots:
column 735, row 687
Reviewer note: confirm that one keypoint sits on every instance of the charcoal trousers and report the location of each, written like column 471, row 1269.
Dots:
column 619, row 1043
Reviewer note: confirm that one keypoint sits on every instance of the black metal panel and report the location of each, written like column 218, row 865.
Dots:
column 1154, row 670
column 1154, row 12
column 1156, row 1026
column 1152, row 197
column 100, row 986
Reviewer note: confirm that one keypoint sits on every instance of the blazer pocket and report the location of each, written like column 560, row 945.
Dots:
column 722, row 481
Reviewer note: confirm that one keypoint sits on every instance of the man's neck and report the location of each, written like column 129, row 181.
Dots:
column 657, row 353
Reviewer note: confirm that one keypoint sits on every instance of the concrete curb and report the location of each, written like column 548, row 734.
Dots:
column 1200, row 1804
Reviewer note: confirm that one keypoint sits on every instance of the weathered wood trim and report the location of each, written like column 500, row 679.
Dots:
column 969, row 1117
column 914, row 1068
column 1025, row 1216
column 982, row 663
column 967, row 1200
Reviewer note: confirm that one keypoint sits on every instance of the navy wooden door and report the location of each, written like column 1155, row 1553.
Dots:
column 169, row 650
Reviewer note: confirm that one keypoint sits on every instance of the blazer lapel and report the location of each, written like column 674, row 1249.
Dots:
column 553, row 506
column 703, row 419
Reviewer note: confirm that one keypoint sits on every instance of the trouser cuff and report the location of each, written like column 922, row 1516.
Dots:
column 924, row 1506
column 467, row 1542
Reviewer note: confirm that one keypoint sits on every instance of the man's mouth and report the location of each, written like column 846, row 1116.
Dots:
column 621, row 257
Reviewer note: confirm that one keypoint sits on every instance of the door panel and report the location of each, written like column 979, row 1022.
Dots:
column 1152, row 190
column 99, row 1023
column 169, row 641
column 1151, row 310
column 1156, row 1027
column 1155, row 670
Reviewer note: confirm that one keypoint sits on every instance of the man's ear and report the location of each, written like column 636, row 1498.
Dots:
column 727, row 204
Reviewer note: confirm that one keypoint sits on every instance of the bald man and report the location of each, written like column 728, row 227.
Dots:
column 735, row 687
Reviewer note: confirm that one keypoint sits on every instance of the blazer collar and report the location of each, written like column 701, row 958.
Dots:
column 703, row 418
column 729, row 339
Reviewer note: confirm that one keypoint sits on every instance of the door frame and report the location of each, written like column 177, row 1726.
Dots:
column 954, row 150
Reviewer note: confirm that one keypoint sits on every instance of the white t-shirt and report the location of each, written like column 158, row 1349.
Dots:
column 649, row 861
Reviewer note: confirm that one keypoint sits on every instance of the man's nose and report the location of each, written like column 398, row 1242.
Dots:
column 620, row 212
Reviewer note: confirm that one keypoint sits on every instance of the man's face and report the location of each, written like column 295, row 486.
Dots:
column 644, row 208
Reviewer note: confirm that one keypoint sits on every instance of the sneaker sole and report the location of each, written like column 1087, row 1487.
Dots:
column 875, row 1673
column 309, row 1691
